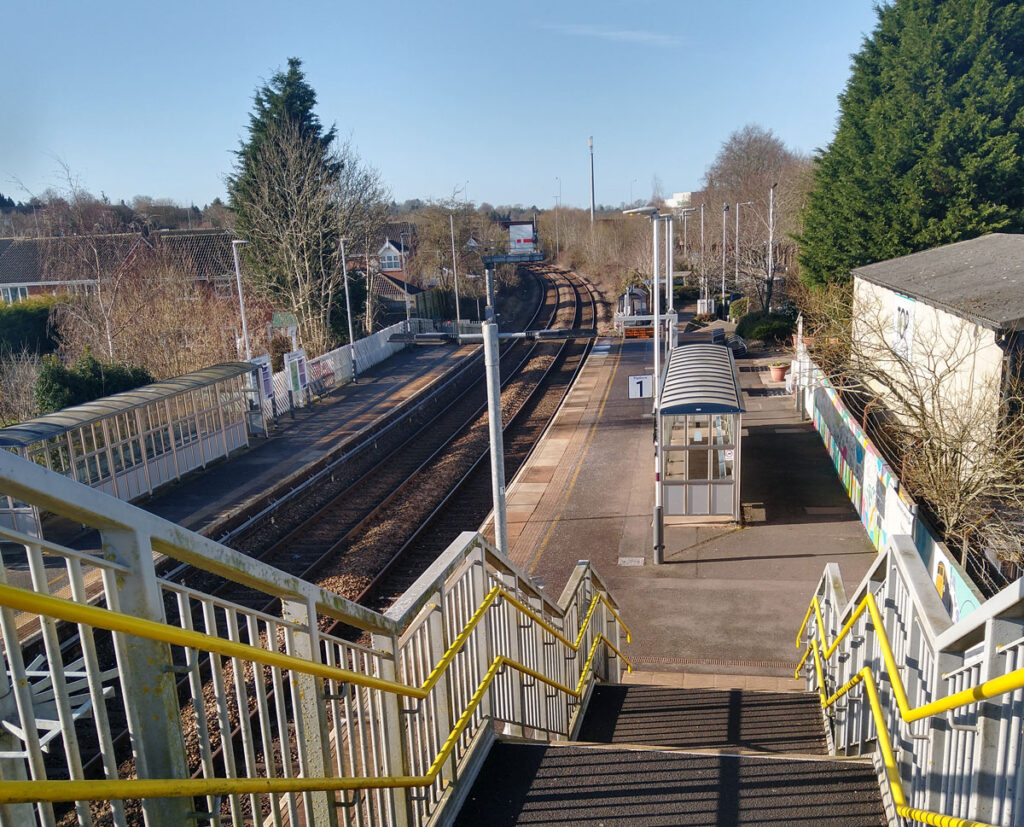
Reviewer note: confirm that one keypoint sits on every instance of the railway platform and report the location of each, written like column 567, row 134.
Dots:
column 209, row 501
column 720, row 611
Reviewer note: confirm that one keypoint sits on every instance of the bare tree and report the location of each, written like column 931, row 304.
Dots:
column 297, row 209
column 751, row 163
column 952, row 429
column 18, row 372
column 165, row 318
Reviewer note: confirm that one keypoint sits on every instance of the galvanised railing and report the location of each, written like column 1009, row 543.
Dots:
column 388, row 731
column 939, row 706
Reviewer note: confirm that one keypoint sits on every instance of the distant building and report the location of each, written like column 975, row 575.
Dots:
column 678, row 200
column 954, row 312
column 392, row 292
column 69, row 264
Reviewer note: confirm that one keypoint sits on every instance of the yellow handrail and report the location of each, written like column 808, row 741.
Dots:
column 983, row 691
column 14, row 792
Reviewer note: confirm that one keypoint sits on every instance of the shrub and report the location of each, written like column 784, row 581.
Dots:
column 279, row 346
column 24, row 326
column 58, row 386
column 768, row 327
column 738, row 309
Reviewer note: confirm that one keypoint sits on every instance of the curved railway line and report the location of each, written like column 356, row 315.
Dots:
column 343, row 532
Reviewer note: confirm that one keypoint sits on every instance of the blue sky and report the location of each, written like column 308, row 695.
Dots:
column 150, row 99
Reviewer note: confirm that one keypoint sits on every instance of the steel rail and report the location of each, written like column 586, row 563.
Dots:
column 120, row 739
column 376, row 585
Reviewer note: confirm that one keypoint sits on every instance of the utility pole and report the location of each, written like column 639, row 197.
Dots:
column 241, row 300
column 771, row 250
column 736, row 242
column 405, row 283
column 725, row 218
column 659, row 526
column 558, row 203
column 590, row 141
column 455, row 271
column 348, row 310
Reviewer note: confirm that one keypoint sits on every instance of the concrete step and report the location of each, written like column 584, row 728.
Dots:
column 711, row 719
column 575, row 784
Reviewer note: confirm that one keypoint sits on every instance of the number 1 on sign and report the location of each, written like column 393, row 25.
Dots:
column 642, row 386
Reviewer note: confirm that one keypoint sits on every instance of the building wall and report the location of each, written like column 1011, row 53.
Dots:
column 935, row 343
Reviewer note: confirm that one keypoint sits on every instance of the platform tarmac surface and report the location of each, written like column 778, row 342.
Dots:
column 724, row 608
column 204, row 498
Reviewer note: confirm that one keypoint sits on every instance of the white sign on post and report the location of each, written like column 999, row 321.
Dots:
column 295, row 365
column 266, row 379
column 642, row 386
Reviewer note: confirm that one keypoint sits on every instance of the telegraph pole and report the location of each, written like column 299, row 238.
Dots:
column 591, row 142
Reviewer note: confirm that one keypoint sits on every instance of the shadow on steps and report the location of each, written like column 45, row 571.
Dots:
column 704, row 719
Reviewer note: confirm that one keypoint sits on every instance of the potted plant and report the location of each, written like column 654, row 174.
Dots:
column 778, row 370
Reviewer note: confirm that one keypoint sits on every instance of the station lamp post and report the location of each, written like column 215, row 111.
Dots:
column 455, row 272
column 241, row 299
column 736, row 241
column 658, row 521
column 725, row 216
column 348, row 310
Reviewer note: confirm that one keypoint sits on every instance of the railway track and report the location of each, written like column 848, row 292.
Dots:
column 354, row 569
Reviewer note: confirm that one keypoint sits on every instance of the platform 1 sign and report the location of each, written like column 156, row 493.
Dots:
column 642, row 386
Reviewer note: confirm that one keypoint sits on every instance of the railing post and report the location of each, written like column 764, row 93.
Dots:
column 541, row 662
column 934, row 769
column 12, row 769
column 983, row 806
column 483, row 647
column 310, row 712
column 442, row 706
column 392, row 729
column 517, row 679
column 147, row 676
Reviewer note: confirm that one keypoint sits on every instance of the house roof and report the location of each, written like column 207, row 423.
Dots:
column 391, row 287
column 981, row 279
column 59, row 422
column 701, row 378
column 205, row 254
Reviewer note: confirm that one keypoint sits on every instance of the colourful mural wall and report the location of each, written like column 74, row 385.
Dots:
column 875, row 492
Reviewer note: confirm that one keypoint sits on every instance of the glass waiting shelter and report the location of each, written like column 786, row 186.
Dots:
column 132, row 442
column 700, row 411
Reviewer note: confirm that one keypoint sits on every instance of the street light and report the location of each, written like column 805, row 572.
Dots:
column 558, row 202
column 348, row 310
column 405, row 283
column 725, row 216
column 736, row 278
column 241, row 299
column 659, row 546
column 771, row 248
column 455, row 271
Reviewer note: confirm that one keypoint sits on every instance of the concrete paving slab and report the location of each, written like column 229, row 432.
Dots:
column 728, row 600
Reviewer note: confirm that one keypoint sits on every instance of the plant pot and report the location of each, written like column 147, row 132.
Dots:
column 778, row 372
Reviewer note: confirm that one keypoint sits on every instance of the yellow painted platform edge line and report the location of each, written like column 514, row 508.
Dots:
column 579, row 467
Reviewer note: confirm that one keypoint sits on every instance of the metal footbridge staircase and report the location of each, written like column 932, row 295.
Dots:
column 475, row 699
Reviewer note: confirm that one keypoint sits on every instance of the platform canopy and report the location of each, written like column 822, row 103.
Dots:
column 53, row 424
column 701, row 379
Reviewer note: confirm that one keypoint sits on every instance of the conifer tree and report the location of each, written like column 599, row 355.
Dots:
column 929, row 148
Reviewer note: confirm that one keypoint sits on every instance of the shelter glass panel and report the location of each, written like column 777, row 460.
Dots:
column 723, row 463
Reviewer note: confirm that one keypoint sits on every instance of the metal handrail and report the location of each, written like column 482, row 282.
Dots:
column 13, row 792
column 983, row 691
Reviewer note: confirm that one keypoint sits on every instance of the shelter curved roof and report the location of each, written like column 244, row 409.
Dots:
column 59, row 422
column 701, row 379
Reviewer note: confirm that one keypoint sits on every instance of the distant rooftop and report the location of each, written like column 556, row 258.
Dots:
column 981, row 279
